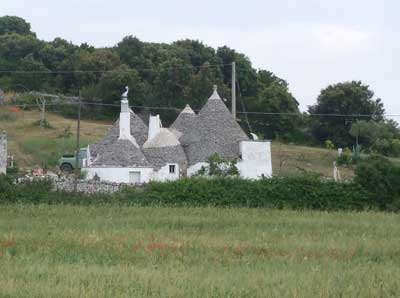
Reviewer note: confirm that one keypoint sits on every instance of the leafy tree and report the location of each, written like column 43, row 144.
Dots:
column 200, row 85
column 112, row 84
column 13, row 24
column 172, row 78
column 32, row 81
column 15, row 46
column 382, row 137
column 273, row 96
column 380, row 177
column 348, row 98
column 159, row 74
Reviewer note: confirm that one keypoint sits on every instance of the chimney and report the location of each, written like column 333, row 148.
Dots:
column 125, row 120
column 154, row 126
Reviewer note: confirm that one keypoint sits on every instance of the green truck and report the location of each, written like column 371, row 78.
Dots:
column 67, row 162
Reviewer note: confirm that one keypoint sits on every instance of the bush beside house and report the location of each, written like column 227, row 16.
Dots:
column 374, row 187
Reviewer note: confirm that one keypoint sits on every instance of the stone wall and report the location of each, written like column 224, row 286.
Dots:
column 3, row 153
column 88, row 186
column 83, row 186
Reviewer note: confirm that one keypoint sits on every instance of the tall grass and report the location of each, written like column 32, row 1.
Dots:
column 49, row 150
column 111, row 251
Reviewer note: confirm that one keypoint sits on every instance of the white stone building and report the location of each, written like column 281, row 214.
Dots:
column 131, row 152
column 3, row 153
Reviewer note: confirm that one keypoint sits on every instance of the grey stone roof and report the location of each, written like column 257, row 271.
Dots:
column 138, row 131
column 183, row 124
column 160, row 156
column 164, row 148
column 214, row 131
column 121, row 153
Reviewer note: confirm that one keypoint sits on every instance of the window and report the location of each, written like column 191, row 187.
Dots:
column 134, row 177
column 172, row 169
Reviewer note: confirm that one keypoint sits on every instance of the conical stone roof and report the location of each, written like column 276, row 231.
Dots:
column 121, row 153
column 214, row 131
column 164, row 148
column 183, row 124
column 138, row 131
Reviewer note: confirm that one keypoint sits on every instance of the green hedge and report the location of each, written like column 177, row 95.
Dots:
column 296, row 192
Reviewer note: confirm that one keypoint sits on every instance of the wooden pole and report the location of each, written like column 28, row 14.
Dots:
column 78, row 132
column 234, row 89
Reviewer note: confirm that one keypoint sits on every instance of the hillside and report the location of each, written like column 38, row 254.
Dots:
column 33, row 146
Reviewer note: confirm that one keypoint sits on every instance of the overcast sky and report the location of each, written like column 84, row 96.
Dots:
column 309, row 43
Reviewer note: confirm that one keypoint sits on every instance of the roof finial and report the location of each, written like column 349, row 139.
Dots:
column 125, row 94
column 187, row 110
column 215, row 93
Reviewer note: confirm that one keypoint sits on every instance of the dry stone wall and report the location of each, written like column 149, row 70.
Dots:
column 88, row 186
column 67, row 184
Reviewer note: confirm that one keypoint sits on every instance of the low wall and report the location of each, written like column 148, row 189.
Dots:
column 88, row 186
column 83, row 186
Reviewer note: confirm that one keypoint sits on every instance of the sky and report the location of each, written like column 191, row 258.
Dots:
column 309, row 43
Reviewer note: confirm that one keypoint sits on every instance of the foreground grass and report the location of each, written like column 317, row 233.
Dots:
column 105, row 251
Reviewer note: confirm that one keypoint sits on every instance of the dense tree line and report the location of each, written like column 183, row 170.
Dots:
column 158, row 74
column 171, row 75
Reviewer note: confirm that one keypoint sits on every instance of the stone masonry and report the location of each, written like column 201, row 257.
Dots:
column 3, row 152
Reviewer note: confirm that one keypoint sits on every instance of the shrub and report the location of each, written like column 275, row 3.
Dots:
column 381, row 179
column 219, row 167
column 5, row 184
column 305, row 191
column 295, row 192
column 329, row 145
column 345, row 158
column 35, row 191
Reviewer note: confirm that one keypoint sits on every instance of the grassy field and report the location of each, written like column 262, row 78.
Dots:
column 33, row 146
column 110, row 251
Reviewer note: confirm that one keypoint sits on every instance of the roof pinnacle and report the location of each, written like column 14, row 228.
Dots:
column 215, row 94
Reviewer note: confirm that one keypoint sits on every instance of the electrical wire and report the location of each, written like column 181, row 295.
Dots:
column 112, row 71
column 180, row 109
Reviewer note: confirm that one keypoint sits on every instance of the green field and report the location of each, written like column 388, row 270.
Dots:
column 110, row 251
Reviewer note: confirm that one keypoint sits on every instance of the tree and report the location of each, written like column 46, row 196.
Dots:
column 200, row 86
column 160, row 74
column 38, row 80
column 348, row 98
column 112, row 84
column 273, row 96
column 12, row 24
column 381, row 137
column 380, row 177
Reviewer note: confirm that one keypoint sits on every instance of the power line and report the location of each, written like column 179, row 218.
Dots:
column 180, row 109
column 112, row 71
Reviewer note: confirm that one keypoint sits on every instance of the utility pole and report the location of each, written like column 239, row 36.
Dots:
column 78, row 132
column 234, row 89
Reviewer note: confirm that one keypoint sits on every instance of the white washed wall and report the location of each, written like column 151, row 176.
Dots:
column 119, row 175
column 192, row 170
column 256, row 159
column 164, row 175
